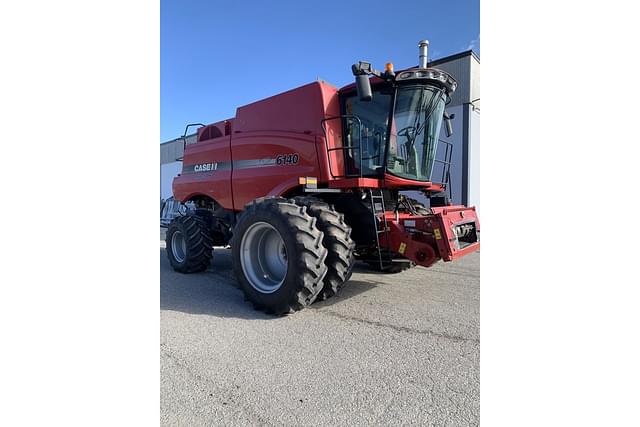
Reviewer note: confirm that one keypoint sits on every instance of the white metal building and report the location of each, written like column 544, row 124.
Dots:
column 465, row 104
column 170, row 165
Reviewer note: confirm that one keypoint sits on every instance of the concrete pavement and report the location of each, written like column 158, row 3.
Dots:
column 399, row 349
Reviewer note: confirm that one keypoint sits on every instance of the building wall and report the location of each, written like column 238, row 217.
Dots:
column 174, row 149
column 473, row 197
column 474, row 96
column 167, row 172
column 457, row 139
column 473, row 181
column 170, row 166
column 465, row 104
column 459, row 69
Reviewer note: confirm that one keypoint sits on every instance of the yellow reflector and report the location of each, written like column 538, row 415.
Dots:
column 402, row 248
column 389, row 67
column 312, row 180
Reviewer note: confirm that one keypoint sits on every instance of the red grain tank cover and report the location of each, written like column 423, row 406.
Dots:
column 299, row 110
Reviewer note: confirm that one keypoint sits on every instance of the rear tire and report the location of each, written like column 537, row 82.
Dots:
column 337, row 239
column 278, row 255
column 189, row 244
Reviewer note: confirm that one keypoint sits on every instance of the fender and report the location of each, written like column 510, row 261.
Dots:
column 284, row 187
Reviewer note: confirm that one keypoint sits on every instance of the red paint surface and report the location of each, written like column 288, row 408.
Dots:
column 421, row 244
column 284, row 124
column 216, row 184
column 250, row 183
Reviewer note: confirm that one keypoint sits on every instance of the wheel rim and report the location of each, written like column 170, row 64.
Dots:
column 178, row 246
column 263, row 257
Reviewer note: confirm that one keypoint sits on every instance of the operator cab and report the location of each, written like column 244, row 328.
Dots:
column 391, row 122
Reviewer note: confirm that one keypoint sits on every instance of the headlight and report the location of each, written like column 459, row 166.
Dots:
column 431, row 74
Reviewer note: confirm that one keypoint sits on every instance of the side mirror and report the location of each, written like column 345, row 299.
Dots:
column 361, row 70
column 447, row 121
column 364, row 88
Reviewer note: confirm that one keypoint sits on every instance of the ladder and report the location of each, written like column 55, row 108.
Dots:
column 377, row 207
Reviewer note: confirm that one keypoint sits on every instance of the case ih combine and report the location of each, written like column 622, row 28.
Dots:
column 303, row 183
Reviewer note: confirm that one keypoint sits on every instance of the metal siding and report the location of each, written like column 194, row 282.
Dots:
column 474, row 160
column 168, row 171
column 172, row 150
column 457, row 139
column 465, row 154
column 475, row 81
column 460, row 70
column 163, row 156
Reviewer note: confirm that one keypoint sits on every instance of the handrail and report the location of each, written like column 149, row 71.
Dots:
column 446, row 165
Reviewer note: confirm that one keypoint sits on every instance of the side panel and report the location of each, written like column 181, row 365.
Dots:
column 206, row 170
column 270, row 163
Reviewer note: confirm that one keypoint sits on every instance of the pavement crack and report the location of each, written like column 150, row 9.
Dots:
column 454, row 273
column 232, row 395
column 397, row 328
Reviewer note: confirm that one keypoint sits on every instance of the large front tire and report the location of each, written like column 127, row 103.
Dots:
column 337, row 239
column 278, row 256
column 189, row 244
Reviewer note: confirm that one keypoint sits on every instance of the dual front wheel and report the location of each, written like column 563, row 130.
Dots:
column 287, row 253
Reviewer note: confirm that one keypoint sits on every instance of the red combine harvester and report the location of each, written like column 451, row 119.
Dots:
column 303, row 183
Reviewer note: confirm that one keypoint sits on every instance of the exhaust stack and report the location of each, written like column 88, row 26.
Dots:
column 423, row 47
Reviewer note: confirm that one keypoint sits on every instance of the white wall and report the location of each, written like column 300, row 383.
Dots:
column 167, row 172
column 456, row 158
column 475, row 83
column 474, row 160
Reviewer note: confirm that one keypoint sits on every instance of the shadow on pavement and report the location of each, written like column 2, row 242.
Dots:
column 214, row 292
column 351, row 289
column 210, row 293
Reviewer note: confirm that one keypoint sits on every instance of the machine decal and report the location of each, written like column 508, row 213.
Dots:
column 254, row 163
column 287, row 159
column 280, row 160
column 402, row 248
column 206, row 167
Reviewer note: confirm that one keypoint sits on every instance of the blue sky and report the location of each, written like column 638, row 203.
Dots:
column 218, row 55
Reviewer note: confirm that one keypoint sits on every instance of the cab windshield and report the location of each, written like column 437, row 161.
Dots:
column 411, row 140
column 415, row 130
